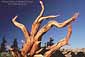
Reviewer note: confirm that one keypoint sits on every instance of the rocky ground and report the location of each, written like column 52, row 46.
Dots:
column 60, row 53
column 70, row 53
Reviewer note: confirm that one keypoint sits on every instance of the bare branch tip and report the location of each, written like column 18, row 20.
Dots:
column 76, row 14
column 57, row 15
column 41, row 2
column 14, row 18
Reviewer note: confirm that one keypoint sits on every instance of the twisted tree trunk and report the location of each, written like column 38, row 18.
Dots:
column 33, row 38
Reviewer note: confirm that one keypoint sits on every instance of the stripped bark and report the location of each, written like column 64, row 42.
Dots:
column 61, row 43
column 33, row 38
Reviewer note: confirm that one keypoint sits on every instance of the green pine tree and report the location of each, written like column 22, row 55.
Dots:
column 3, row 46
column 15, row 44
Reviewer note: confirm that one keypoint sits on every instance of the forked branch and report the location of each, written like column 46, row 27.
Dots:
column 61, row 43
column 33, row 39
column 48, row 26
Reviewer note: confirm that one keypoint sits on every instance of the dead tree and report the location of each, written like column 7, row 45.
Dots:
column 33, row 38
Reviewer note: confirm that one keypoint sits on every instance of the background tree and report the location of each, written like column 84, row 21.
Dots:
column 15, row 44
column 3, row 45
column 50, row 42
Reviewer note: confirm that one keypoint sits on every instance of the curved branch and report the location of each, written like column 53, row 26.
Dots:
column 36, row 26
column 61, row 43
column 39, row 19
column 45, row 28
column 35, row 23
column 21, row 26
column 46, row 17
column 38, row 51
column 48, row 26
column 69, row 32
column 34, row 48
column 27, row 45
column 41, row 13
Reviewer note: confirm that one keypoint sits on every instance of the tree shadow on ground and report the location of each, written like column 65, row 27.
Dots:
column 79, row 54
column 58, row 54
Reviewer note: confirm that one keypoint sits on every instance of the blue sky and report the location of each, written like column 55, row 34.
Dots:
column 28, row 13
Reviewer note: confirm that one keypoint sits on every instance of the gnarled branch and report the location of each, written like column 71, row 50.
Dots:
column 22, row 27
column 61, row 43
column 35, row 25
column 27, row 45
column 39, row 19
column 45, row 28
column 48, row 26
column 33, row 39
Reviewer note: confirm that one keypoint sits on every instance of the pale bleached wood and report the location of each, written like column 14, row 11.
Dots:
column 36, row 23
column 39, row 19
column 22, row 27
column 51, row 23
column 48, row 26
column 61, row 43
column 33, row 39
column 27, row 45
